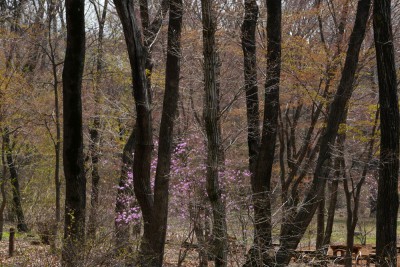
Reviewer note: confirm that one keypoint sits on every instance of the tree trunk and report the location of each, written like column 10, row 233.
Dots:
column 261, row 177
column 74, row 172
column 144, row 138
column 387, row 203
column 250, row 80
column 333, row 192
column 212, row 125
column 52, row 29
column 14, row 177
column 3, row 190
column 321, row 222
column 154, row 210
column 94, row 131
column 293, row 232
column 169, row 111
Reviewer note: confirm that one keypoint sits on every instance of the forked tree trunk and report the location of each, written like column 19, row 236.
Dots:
column 388, row 200
column 144, row 135
column 261, row 178
column 212, row 127
column 154, row 210
column 74, row 172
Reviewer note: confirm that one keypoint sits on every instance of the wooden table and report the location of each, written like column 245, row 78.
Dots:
column 343, row 248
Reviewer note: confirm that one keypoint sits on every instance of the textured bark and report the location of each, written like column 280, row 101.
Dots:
column 74, row 172
column 169, row 111
column 94, row 131
column 293, row 232
column 250, row 79
column 387, row 203
column 144, row 141
column 14, row 177
column 154, row 210
column 261, row 178
column 213, row 133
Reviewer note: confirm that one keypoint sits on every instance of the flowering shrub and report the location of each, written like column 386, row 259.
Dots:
column 188, row 196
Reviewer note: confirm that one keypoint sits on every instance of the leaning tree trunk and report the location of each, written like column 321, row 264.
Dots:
column 74, row 172
column 294, row 231
column 14, row 177
column 387, row 203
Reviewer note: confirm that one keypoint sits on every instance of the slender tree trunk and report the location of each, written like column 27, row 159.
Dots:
column 333, row 192
column 169, row 111
column 94, row 131
column 293, row 232
column 74, row 172
column 388, row 200
column 52, row 29
column 212, row 125
column 3, row 189
column 21, row 226
column 321, row 221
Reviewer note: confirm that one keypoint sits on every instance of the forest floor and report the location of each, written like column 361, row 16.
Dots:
column 29, row 251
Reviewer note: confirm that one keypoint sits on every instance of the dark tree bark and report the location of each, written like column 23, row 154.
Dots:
column 292, row 232
column 250, row 80
column 321, row 221
column 154, row 210
column 169, row 111
column 213, row 133
column 143, row 134
column 94, row 131
column 74, row 172
column 14, row 177
column 333, row 192
column 261, row 178
column 388, row 200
